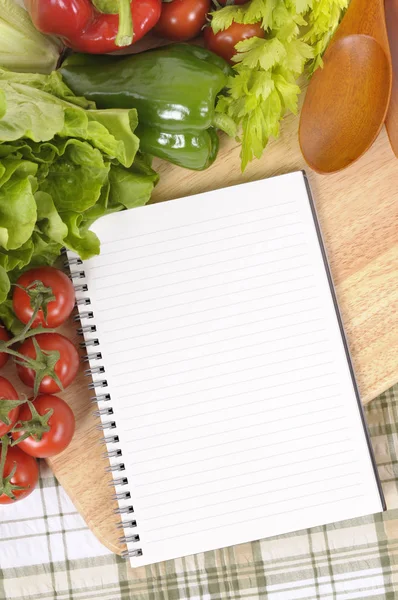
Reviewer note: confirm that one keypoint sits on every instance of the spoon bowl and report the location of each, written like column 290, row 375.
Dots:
column 347, row 100
column 346, row 103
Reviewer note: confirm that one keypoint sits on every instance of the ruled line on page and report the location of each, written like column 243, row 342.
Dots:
column 268, row 515
column 287, row 429
column 156, row 287
column 210, row 220
column 108, row 308
column 305, row 311
column 260, row 413
column 199, row 245
column 243, row 478
column 290, row 463
column 190, row 325
column 219, row 306
column 239, row 325
column 183, row 395
column 250, row 507
column 252, row 461
column 226, row 340
column 256, row 253
column 222, row 409
column 315, row 480
column 227, row 362
column 230, row 396
column 116, row 296
column 261, row 320
column 204, row 298
column 201, row 379
column 231, row 453
column 246, row 451
column 225, row 430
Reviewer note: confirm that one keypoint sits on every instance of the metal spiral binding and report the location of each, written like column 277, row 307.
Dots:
column 116, row 467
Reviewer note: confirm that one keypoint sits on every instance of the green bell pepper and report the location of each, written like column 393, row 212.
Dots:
column 173, row 88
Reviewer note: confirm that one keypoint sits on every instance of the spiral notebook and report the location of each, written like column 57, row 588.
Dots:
column 221, row 370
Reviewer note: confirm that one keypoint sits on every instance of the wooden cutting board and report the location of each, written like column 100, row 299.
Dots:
column 358, row 212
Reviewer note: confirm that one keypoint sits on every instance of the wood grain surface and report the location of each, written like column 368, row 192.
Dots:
column 358, row 212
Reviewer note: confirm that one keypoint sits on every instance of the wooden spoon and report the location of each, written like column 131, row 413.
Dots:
column 347, row 100
column 392, row 115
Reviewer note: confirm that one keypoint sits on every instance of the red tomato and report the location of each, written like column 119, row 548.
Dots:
column 223, row 43
column 61, row 422
column 26, row 475
column 4, row 336
column 58, row 310
column 182, row 19
column 8, row 392
column 66, row 367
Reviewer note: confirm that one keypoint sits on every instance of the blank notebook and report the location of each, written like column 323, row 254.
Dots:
column 222, row 372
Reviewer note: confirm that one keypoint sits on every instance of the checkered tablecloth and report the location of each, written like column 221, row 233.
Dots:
column 47, row 552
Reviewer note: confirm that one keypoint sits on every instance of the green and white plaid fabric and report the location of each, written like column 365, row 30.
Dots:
column 47, row 552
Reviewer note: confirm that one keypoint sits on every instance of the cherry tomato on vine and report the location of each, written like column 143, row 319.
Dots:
column 66, row 367
column 223, row 43
column 61, row 423
column 4, row 336
column 7, row 392
column 58, row 310
column 26, row 474
column 182, row 19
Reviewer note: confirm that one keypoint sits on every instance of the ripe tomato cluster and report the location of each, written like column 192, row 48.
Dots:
column 46, row 361
column 182, row 20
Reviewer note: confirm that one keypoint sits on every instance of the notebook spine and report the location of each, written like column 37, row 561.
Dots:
column 102, row 399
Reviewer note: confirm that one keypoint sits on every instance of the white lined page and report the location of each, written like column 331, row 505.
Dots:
column 231, row 390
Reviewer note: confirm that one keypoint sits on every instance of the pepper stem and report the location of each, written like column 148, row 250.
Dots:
column 125, row 32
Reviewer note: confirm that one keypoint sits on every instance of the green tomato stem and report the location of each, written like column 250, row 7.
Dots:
column 35, row 427
column 21, row 337
column 5, row 440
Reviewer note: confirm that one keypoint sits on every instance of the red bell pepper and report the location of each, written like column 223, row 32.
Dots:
column 96, row 27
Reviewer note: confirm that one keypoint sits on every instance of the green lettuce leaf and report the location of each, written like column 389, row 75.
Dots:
column 111, row 131
column 45, row 250
column 18, row 211
column 49, row 221
column 75, row 178
column 80, row 239
column 7, row 316
column 17, row 259
column 63, row 164
column 123, row 181
column 51, row 84
column 4, row 284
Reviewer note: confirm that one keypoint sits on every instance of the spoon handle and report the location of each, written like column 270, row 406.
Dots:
column 392, row 115
column 366, row 17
